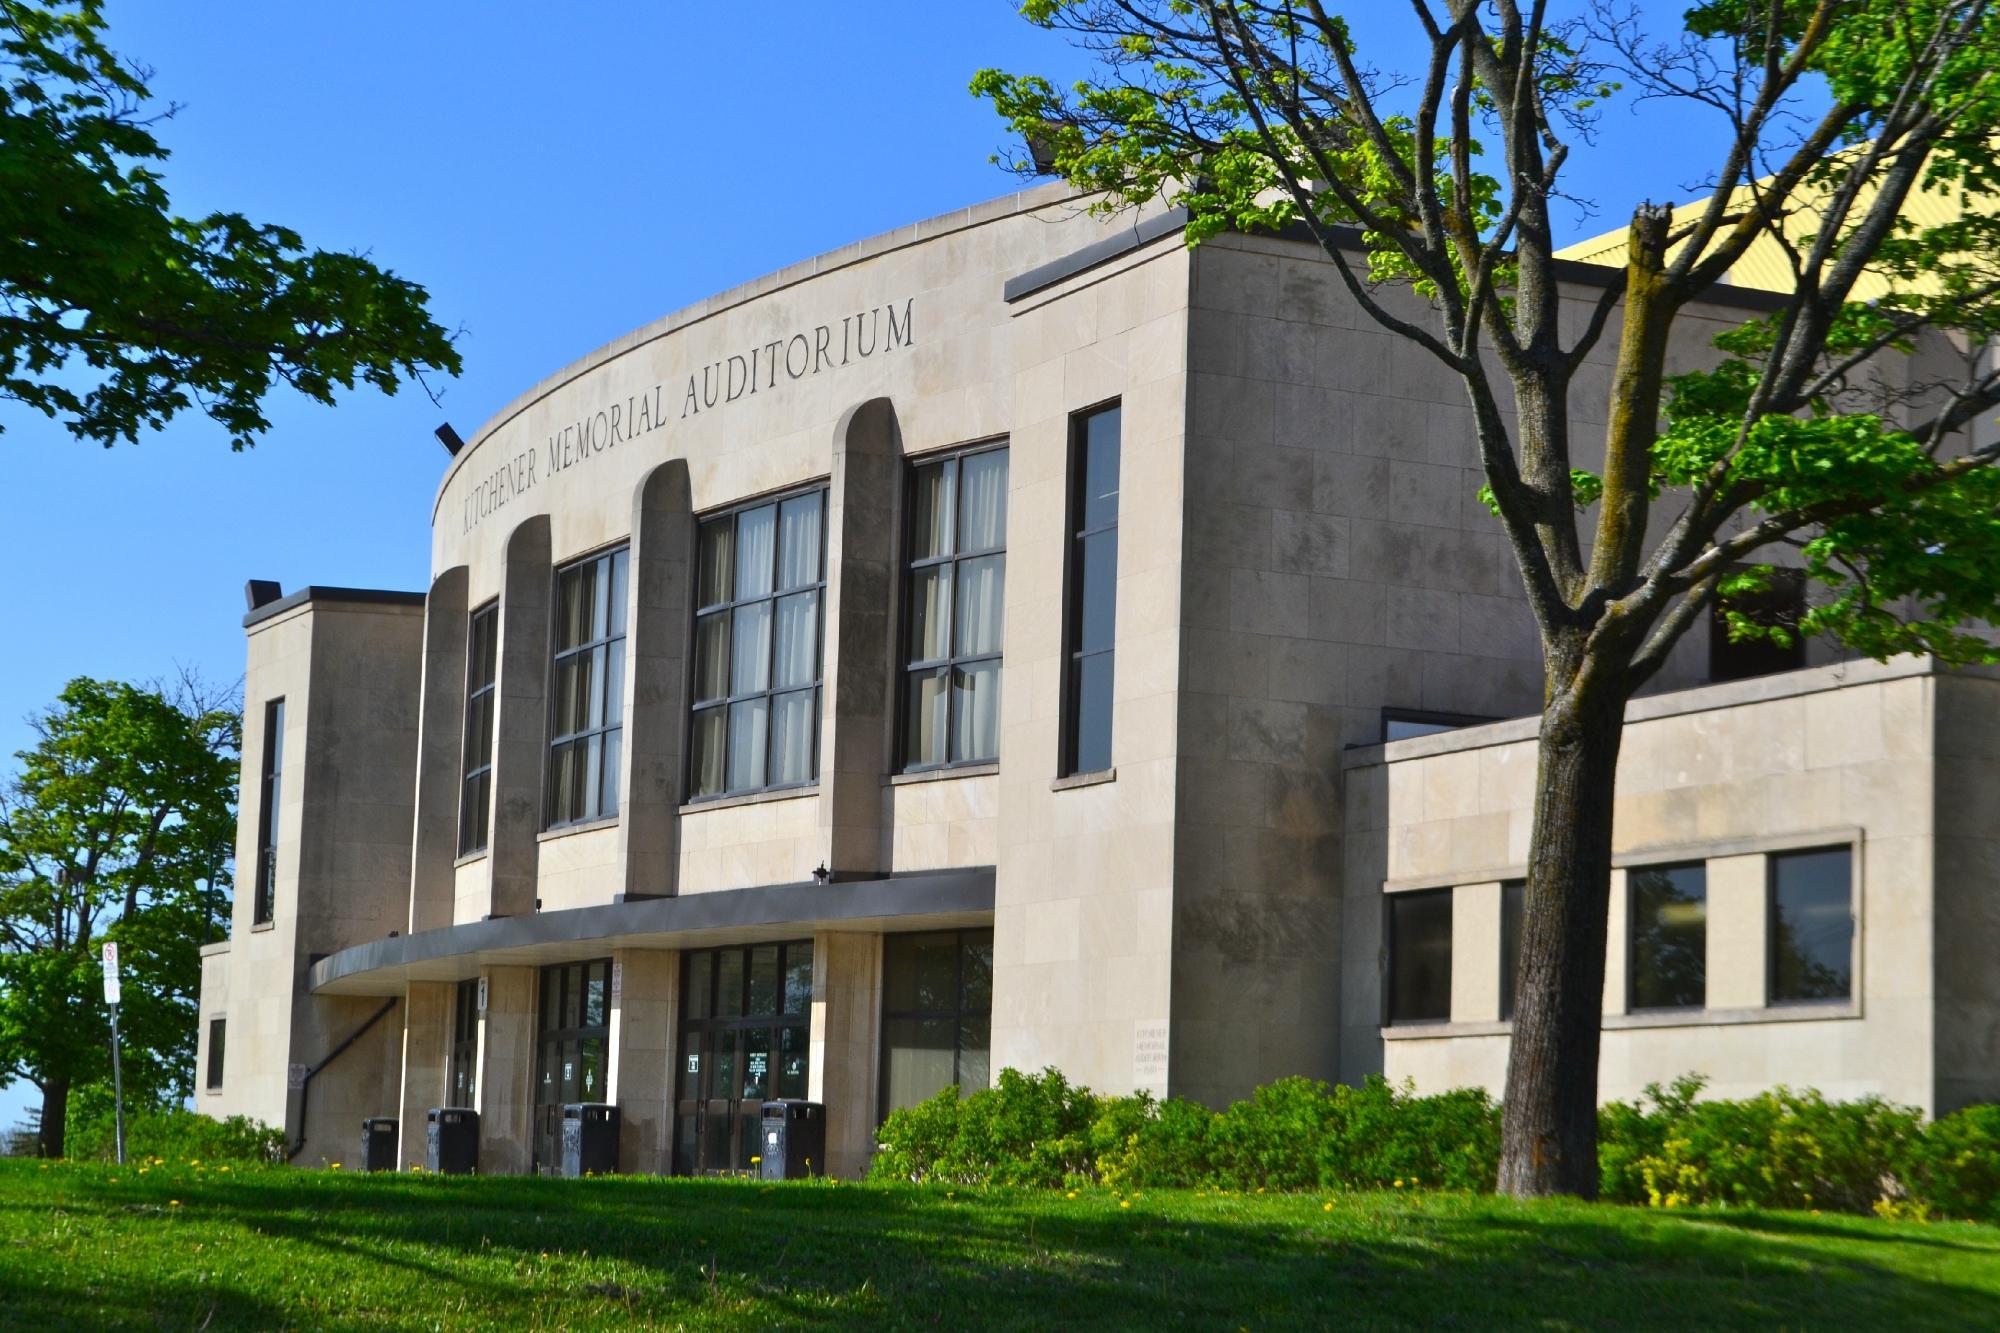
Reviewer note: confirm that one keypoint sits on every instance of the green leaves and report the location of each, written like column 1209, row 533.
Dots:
column 116, row 315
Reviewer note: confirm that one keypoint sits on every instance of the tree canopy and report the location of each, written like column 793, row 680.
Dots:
column 116, row 314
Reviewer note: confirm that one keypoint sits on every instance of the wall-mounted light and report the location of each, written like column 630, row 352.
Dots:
column 821, row 874
column 449, row 439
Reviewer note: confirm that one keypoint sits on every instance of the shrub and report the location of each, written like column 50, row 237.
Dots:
column 1957, row 1168
column 177, row 1135
column 1025, row 1130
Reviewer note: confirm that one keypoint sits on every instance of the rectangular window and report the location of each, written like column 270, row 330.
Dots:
column 1092, row 604
column 1667, row 907
column 588, row 691
column 1782, row 602
column 217, row 1031
column 1513, row 902
column 954, row 596
column 1420, row 957
column 760, row 583
column 1812, row 926
column 476, row 784
column 465, row 1045
column 937, row 1014
column 270, row 790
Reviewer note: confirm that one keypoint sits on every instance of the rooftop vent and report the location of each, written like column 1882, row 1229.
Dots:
column 449, row 439
column 261, row 592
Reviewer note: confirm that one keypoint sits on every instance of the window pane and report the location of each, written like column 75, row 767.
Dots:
column 1812, row 926
column 756, row 535
column 764, row 980
column 478, row 730
column 924, row 714
column 1097, row 592
column 600, row 598
column 729, row 983
column 797, row 661
column 618, row 561
column 572, row 607
column 570, row 695
column 596, row 996
column 974, row 1035
column 798, row 977
column 798, row 556
column 1668, row 906
column 975, row 711
column 750, row 656
column 1420, row 957
column 1100, row 470
column 976, row 956
column 931, row 510
column 930, row 613
column 482, row 655
column 590, row 754
column 711, row 657
column 748, row 722
column 933, row 972
column 709, row 771
column 792, row 1067
column 718, row 560
column 565, row 788
column 614, row 682
column 917, row 1059
column 614, row 756
column 793, row 720
column 981, row 592
column 983, row 502
column 700, row 966
column 1091, row 690
column 1513, row 902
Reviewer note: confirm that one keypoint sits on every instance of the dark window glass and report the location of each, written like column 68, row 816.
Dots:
column 464, row 1089
column 588, row 690
column 1513, row 902
column 1400, row 724
column 571, row 1045
column 476, row 788
column 1668, row 910
column 1092, row 608
column 272, row 792
column 1782, row 602
column 745, row 1036
column 937, row 1014
column 217, row 1031
column 1420, row 957
column 1812, row 926
column 954, row 596
column 760, row 585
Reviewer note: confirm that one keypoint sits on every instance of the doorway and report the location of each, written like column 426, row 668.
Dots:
column 746, row 1020
column 575, row 1022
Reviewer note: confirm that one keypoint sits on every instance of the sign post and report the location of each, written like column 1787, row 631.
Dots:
column 117, row 1074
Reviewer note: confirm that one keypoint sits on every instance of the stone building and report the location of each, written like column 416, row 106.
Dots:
column 1021, row 640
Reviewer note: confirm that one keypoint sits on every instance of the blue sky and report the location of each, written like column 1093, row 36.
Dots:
column 556, row 176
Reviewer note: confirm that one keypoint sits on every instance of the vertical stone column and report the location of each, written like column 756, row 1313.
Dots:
column 1739, row 922
column 507, row 1072
column 860, row 634
column 657, row 628
column 644, row 1001
column 426, row 1064
column 1475, row 953
column 521, row 724
column 845, row 1044
column 439, row 752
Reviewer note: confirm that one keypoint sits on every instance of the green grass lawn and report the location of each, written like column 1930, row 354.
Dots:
column 181, row 1246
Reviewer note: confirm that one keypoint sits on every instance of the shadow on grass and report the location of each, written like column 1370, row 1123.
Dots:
column 421, row 1250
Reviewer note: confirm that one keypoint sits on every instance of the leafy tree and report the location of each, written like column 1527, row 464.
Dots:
column 115, row 314
column 118, row 826
column 1812, row 432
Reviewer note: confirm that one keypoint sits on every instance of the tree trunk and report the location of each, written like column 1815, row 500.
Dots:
column 1549, row 1127
column 54, row 1126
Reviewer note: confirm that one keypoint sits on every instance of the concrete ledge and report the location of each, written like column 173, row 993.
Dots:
column 211, row 950
column 941, row 774
column 354, row 596
column 936, row 900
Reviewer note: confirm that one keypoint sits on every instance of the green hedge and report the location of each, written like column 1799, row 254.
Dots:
column 176, row 1135
column 1780, row 1149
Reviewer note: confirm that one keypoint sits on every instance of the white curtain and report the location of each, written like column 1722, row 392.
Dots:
column 798, row 636
column 756, row 531
column 982, row 587
column 984, row 504
column 798, row 544
column 792, row 736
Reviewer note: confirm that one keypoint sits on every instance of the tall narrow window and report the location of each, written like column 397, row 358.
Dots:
column 464, row 1045
column 1668, row 910
column 1420, row 956
column 937, row 1014
column 955, row 593
column 589, row 689
column 1093, row 590
column 218, row 1029
column 1812, row 926
column 758, row 599
column 270, row 790
column 1513, row 902
column 476, row 784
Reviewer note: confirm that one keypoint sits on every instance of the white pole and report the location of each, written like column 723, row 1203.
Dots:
column 111, row 991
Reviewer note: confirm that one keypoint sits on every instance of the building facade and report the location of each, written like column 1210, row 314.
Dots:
column 1016, row 640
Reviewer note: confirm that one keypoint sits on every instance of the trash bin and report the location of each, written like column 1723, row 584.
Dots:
column 794, row 1140
column 378, row 1144
column 589, row 1139
column 452, row 1140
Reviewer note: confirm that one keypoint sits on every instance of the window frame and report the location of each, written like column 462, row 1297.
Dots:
column 1632, row 1006
column 1509, row 994
column 1449, row 894
column 556, row 657
column 270, row 791
column 724, row 703
column 1771, row 998
column 910, row 564
column 218, row 1043
column 957, row 1015
column 468, row 772
column 1069, row 733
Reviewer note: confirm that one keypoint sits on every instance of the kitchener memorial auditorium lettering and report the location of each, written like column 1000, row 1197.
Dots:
column 718, row 383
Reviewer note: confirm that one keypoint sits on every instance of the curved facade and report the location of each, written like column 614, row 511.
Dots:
column 934, row 657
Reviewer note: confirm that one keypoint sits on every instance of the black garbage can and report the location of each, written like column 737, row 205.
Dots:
column 452, row 1140
column 378, row 1144
column 794, row 1140
column 589, row 1139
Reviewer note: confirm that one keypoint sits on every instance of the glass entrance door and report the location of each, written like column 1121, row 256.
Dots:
column 745, row 1023
column 575, row 1020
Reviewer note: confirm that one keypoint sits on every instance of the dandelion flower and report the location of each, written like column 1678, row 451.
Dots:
column 336, row 1166
column 173, row 1203
column 1326, row 1208
column 1399, row 1182
column 1124, row 1203
column 1072, row 1194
